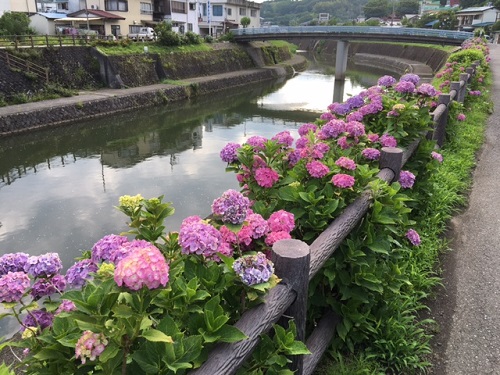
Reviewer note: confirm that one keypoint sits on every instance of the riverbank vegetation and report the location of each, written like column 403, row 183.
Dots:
column 150, row 301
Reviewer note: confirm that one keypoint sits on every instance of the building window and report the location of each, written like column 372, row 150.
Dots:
column 134, row 29
column 253, row 13
column 62, row 6
column 116, row 5
column 146, row 8
column 190, row 27
column 229, row 12
column 217, row 10
column 243, row 12
column 192, row 6
column 204, row 9
column 115, row 30
column 178, row 7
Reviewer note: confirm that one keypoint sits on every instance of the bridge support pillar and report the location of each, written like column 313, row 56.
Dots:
column 341, row 59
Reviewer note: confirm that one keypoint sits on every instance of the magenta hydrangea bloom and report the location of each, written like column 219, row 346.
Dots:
column 346, row 163
column 373, row 137
column 343, row 180
column 253, row 269
column 437, row 156
column 306, row 128
column 319, row 150
column 427, row 89
column 227, row 235
column 406, row 179
column 281, row 221
column 65, row 306
column 354, row 116
column 386, row 81
column 371, row 153
column 283, row 138
column 413, row 237
column 327, row 116
column 13, row 262
column 317, row 169
column 355, row 129
column 13, row 285
column 258, row 225
column 104, row 248
column 90, row 346
column 45, row 265
column 47, row 287
column 273, row 237
column 144, row 267
column 38, row 318
column 80, row 272
column 343, row 143
column 266, row 177
column 199, row 238
column 405, row 87
column 387, row 140
column 257, row 142
column 461, row 117
column 229, row 153
column 475, row 93
column 231, row 207
column 302, row 142
column 410, row 77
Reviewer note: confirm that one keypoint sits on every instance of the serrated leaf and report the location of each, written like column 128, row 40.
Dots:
column 154, row 335
column 297, row 348
column 230, row 334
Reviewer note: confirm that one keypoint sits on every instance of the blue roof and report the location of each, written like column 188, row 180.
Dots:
column 432, row 23
column 53, row 16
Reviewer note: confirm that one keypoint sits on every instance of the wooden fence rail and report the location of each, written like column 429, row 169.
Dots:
column 296, row 263
column 25, row 66
column 58, row 40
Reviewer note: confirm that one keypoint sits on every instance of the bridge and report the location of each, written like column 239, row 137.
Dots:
column 344, row 34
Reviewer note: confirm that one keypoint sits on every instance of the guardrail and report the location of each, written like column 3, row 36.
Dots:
column 296, row 263
column 25, row 66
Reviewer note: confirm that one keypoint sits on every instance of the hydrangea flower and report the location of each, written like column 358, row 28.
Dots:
column 273, row 237
column 386, row 81
column 13, row 285
column 229, row 153
column 13, row 262
column 427, row 89
column 130, row 202
column 38, row 318
column 332, row 129
column 461, row 117
column 317, row 169
column 45, row 265
column 253, row 269
column 387, row 140
column 80, row 272
column 355, row 101
column 90, row 346
column 405, row 87
column 355, row 129
column 355, row 116
column 258, row 225
column 371, row 153
column 343, row 180
column 199, row 238
column 145, row 266
column 346, row 163
column 413, row 237
column 281, row 221
column 257, row 142
column 47, row 287
column 104, row 248
column 266, row 177
column 406, row 179
column 65, row 306
column 231, row 207
column 283, row 138
column 126, row 248
column 304, row 129
column 319, row 150
column 410, row 77
column 437, row 156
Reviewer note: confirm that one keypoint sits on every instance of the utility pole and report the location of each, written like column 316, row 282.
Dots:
column 87, row 13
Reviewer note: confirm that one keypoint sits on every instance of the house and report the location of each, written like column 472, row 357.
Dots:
column 18, row 6
column 182, row 14
column 45, row 22
column 217, row 17
column 472, row 18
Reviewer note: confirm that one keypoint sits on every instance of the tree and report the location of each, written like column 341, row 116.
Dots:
column 15, row 24
column 407, row 7
column 376, row 8
column 245, row 21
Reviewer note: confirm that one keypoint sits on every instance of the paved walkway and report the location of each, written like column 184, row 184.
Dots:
column 469, row 311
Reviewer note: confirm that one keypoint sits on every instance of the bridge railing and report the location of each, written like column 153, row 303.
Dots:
column 296, row 263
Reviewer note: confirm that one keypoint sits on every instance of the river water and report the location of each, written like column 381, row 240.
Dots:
column 58, row 187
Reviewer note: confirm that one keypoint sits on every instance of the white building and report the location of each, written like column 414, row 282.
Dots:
column 45, row 23
column 471, row 18
column 182, row 14
column 217, row 17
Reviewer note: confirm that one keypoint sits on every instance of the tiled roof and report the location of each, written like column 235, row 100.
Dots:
column 97, row 13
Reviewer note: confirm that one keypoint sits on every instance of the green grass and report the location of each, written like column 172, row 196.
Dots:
column 134, row 48
column 281, row 43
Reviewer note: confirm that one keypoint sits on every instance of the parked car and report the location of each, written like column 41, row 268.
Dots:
column 144, row 33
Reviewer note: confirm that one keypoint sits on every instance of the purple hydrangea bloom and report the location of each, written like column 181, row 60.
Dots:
column 38, row 318
column 371, row 108
column 355, row 129
column 339, row 108
column 45, row 265
column 405, row 87
column 294, row 157
column 386, row 81
column 253, row 269
column 283, row 138
column 413, row 237
column 406, row 179
column 437, row 156
column 387, row 140
column 332, row 129
column 304, row 129
column 104, row 249
column 427, row 89
column 302, row 142
column 13, row 262
column 257, row 142
column 317, row 169
column 13, row 285
column 281, row 221
column 354, row 116
column 47, row 287
column 327, row 116
column 199, row 238
column 79, row 273
column 66, row 305
column 409, row 77
column 355, row 101
column 231, row 207
column 229, row 153
column 319, row 150
column 371, row 153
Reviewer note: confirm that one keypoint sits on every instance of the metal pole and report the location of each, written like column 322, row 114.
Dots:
column 87, row 12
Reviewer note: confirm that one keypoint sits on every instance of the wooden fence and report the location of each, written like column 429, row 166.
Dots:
column 296, row 263
column 25, row 66
column 60, row 40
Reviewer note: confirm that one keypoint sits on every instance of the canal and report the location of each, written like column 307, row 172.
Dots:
column 58, row 187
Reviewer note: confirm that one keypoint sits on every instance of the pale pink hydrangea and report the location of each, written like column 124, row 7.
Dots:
column 90, row 346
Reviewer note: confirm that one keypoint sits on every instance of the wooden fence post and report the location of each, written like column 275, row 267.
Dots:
column 31, row 40
column 442, row 120
column 47, row 40
column 392, row 158
column 292, row 261
column 455, row 86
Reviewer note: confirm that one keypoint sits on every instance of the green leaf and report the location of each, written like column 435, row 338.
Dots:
column 297, row 348
column 156, row 336
column 46, row 354
column 230, row 334
column 380, row 247
column 287, row 193
column 109, row 353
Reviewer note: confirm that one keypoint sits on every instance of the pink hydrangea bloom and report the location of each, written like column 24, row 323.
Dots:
column 355, row 128
column 317, row 169
column 143, row 267
column 406, row 179
column 346, row 163
column 257, row 224
column 13, row 285
column 388, row 141
column 437, row 156
column 266, row 177
column 283, row 138
column 461, row 117
column 281, row 221
column 343, row 180
column 90, row 346
column 199, row 238
column 371, row 153
column 66, row 305
column 304, row 129
column 273, row 237
column 413, row 237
